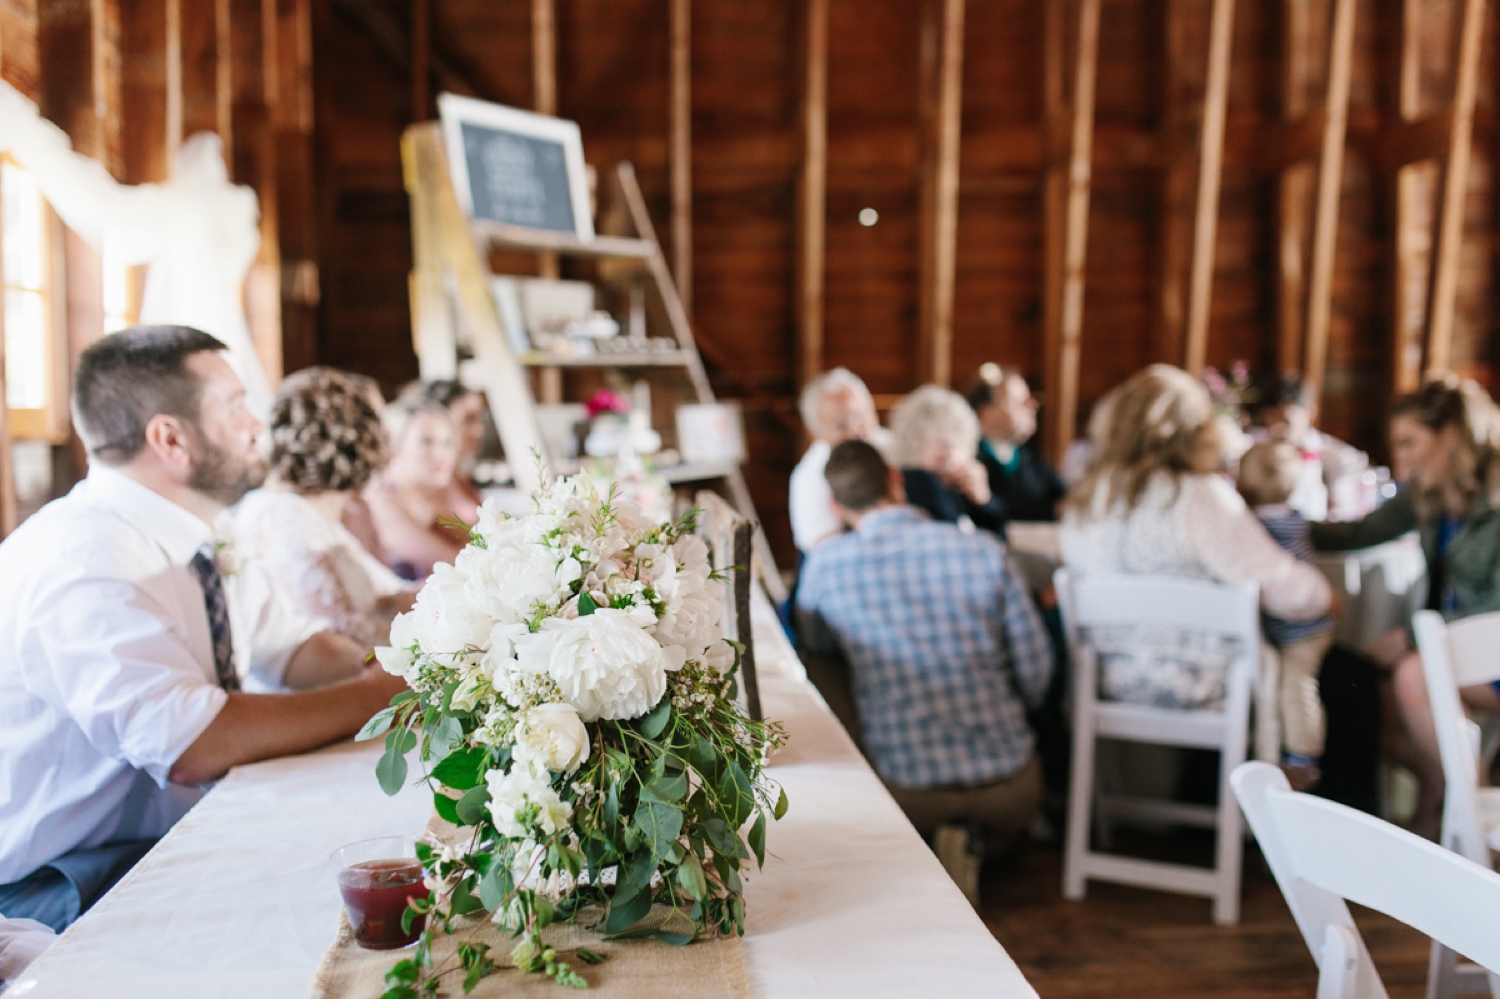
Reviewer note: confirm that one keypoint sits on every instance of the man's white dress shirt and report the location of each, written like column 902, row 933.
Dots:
column 107, row 667
column 810, row 501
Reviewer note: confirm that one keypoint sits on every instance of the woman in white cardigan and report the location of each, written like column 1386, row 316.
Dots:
column 1153, row 502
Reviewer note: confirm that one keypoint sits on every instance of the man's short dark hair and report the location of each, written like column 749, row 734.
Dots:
column 858, row 476
column 127, row 378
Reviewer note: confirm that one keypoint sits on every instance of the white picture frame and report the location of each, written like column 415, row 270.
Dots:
column 532, row 143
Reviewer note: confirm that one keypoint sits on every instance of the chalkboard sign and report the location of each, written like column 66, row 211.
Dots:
column 516, row 167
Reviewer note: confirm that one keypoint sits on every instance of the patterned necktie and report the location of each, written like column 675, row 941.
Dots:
column 207, row 570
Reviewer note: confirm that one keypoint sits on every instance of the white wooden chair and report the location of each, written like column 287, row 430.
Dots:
column 1172, row 602
column 1323, row 853
column 1462, row 654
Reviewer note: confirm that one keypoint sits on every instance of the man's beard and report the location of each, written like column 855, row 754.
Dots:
column 221, row 476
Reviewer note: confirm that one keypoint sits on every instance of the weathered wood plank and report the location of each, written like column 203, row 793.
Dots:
column 681, row 156
column 1210, row 170
column 812, row 191
column 942, row 56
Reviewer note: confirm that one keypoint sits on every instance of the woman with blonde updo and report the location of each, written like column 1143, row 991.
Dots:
column 412, row 496
column 1153, row 502
column 326, row 443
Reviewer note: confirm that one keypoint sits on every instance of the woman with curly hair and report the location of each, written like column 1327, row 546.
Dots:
column 1153, row 502
column 1445, row 448
column 326, row 444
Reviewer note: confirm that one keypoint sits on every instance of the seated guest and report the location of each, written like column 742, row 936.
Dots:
column 1020, row 478
column 465, row 408
column 1329, row 484
column 1268, row 474
column 1153, row 502
column 410, row 498
column 1445, row 449
column 326, row 443
column 835, row 407
column 122, row 640
column 947, row 654
column 934, row 435
column 357, row 517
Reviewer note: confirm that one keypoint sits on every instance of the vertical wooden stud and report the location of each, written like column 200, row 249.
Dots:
column 1064, row 342
column 421, row 59
column 1330, row 176
column 1411, row 243
column 296, row 204
column 812, row 192
column 943, row 45
column 251, row 61
column 1293, row 194
column 1442, row 301
column 544, row 99
column 681, row 151
column 1054, row 198
column 1210, row 169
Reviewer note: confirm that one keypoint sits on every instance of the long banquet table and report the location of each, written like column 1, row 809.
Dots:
column 238, row 900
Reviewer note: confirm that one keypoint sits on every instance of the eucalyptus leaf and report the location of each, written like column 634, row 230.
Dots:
column 447, row 808
column 586, row 604
column 464, row 900
column 377, row 725
column 781, row 805
column 611, row 807
column 653, row 724
column 691, row 879
column 758, row 839
column 736, row 794
column 669, row 789
column 659, row 825
column 704, row 758
column 494, row 886
column 674, row 939
column 543, row 910
column 443, row 738
column 638, row 870
column 629, row 906
column 463, row 770
column 391, row 772
column 471, row 806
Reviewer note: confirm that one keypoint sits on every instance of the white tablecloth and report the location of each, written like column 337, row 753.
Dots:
column 238, row 900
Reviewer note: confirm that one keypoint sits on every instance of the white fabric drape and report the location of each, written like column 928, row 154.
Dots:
column 197, row 233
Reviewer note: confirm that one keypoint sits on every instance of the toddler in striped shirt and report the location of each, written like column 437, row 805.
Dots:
column 1268, row 475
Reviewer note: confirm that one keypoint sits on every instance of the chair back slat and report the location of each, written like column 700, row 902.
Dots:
column 1101, row 601
column 1323, row 853
column 1474, row 649
column 1441, row 668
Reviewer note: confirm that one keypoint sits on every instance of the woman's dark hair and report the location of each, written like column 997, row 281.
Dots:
column 325, row 433
column 443, row 391
column 126, row 378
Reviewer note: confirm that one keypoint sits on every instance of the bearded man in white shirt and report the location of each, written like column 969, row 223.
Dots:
column 124, row 632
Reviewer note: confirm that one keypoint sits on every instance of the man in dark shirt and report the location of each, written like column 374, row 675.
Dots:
column 1026, row 486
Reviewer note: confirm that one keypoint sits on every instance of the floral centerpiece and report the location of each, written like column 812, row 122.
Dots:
column 573, row 698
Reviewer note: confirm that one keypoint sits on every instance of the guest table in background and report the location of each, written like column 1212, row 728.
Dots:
column 239, row 899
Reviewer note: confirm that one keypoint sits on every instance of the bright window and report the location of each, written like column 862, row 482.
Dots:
column 31, row 329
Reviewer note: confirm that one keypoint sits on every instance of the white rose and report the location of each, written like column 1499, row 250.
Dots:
column 553, row 736
column 511, row 792
column 445, row 621
column 606, row 665
column 397, row 658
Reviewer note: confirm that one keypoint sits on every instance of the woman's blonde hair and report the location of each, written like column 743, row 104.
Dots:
column 929, row 412
column 1161, row 420
column 1446, row 400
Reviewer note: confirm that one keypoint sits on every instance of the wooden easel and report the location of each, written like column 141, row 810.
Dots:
column 449, row 255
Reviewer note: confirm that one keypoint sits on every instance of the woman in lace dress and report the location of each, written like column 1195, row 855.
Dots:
column 410, row 499
column 326, row 443
column 1153, row 502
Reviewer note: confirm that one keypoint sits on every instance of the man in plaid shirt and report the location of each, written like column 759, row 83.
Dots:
column 946, row 648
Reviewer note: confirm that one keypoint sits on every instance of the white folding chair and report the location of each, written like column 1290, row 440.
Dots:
column 1463, row 654
column 1195, row 605
column 1323, row 853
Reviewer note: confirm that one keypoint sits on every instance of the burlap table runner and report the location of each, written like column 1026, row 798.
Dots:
column 633, row 969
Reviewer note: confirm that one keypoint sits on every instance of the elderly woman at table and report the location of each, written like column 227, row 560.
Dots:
column 326, row 444
column 934, row 437
column 1445, row 445
column 1153, row 502
column 835, row 407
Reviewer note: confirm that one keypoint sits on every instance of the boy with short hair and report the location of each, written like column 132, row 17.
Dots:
column 1268, row 475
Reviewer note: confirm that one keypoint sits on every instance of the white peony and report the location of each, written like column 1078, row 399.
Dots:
column 445, row 621
column 553, row 736
column 693, row 620
column 511, row 792
column 508, row 582
column 605, row 664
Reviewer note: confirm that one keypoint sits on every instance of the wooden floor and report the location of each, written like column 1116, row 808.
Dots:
column 1126, row 942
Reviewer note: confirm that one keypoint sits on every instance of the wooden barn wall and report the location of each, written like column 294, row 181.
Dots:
column 339, row 91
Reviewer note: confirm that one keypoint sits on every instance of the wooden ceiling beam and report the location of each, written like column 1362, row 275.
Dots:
column 1442, row 303
column 1210, row 169
column 1410, row 190
column 812, row 190
column 942, row 52
column 1326, row 202
column 1068, row 220
column 681, row 150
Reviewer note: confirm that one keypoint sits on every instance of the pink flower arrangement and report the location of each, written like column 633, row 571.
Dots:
column 607, row 401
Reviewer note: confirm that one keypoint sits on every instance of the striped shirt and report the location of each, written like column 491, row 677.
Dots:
column 945, row 646
column 1291, row 531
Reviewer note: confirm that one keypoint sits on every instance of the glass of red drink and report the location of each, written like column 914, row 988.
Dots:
column 377, row 878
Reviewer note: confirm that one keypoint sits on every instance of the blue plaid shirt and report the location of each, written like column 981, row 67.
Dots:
column 945, row 645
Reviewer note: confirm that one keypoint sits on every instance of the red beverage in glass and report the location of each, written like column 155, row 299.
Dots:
column 376, row 893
